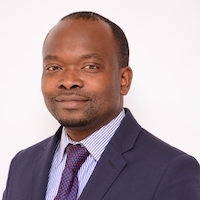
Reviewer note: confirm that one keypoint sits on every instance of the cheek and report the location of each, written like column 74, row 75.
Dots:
column 47, row 94
column 46, row 86
column 47, row 89
column 108, row 90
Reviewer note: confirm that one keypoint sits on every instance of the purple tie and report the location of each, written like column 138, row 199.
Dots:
column 68, row 188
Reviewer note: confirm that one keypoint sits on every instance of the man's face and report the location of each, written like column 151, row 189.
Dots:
column 81, row 80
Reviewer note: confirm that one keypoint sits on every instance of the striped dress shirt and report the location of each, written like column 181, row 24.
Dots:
column 94, row 143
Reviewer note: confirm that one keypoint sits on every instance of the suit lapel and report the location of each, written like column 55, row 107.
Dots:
column 42, row 166
column 112, row 161
column 106, row 171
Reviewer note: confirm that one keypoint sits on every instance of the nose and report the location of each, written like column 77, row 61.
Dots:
column 70, row 79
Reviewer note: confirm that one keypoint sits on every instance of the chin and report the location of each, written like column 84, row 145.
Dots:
column 75, row 122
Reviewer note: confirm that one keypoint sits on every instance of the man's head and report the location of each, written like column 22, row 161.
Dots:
column 84, row 74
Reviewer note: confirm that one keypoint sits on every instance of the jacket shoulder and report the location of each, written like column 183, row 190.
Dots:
column 32, row 151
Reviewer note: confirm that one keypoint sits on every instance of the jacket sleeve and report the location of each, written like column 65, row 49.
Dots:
column 4, row 196
column 180, row 181
column 19, row 180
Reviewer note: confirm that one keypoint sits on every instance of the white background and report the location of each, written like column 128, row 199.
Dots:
column 164, row 39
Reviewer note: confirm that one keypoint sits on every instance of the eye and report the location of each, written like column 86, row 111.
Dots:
column 90, row 67
column 52, row 68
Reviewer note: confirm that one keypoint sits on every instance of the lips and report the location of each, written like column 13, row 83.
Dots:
column 70, row 98
column 71, row 101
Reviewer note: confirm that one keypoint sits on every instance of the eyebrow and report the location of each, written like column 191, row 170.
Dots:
column 51, row 57
column 91, row 55
column 83, row 57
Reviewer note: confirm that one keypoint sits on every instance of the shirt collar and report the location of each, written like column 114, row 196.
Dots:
column 94, row 143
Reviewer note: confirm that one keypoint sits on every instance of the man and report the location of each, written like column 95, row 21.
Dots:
column 85, row 76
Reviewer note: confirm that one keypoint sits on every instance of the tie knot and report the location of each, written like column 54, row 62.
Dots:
column 76, row 156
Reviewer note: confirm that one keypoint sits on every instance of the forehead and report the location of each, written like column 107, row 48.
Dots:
column 73, row 33
column 70, row 25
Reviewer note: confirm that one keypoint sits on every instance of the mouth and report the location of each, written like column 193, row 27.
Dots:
column 71, row 101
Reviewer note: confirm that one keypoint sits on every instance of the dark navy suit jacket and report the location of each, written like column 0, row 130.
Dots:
column 135, row 165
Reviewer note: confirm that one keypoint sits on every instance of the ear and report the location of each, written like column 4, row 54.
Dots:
column 126, row 75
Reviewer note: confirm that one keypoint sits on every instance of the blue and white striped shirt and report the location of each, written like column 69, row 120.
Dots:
column 94, row 143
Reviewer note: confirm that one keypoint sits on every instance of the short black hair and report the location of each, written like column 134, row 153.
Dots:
column 122, row 48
